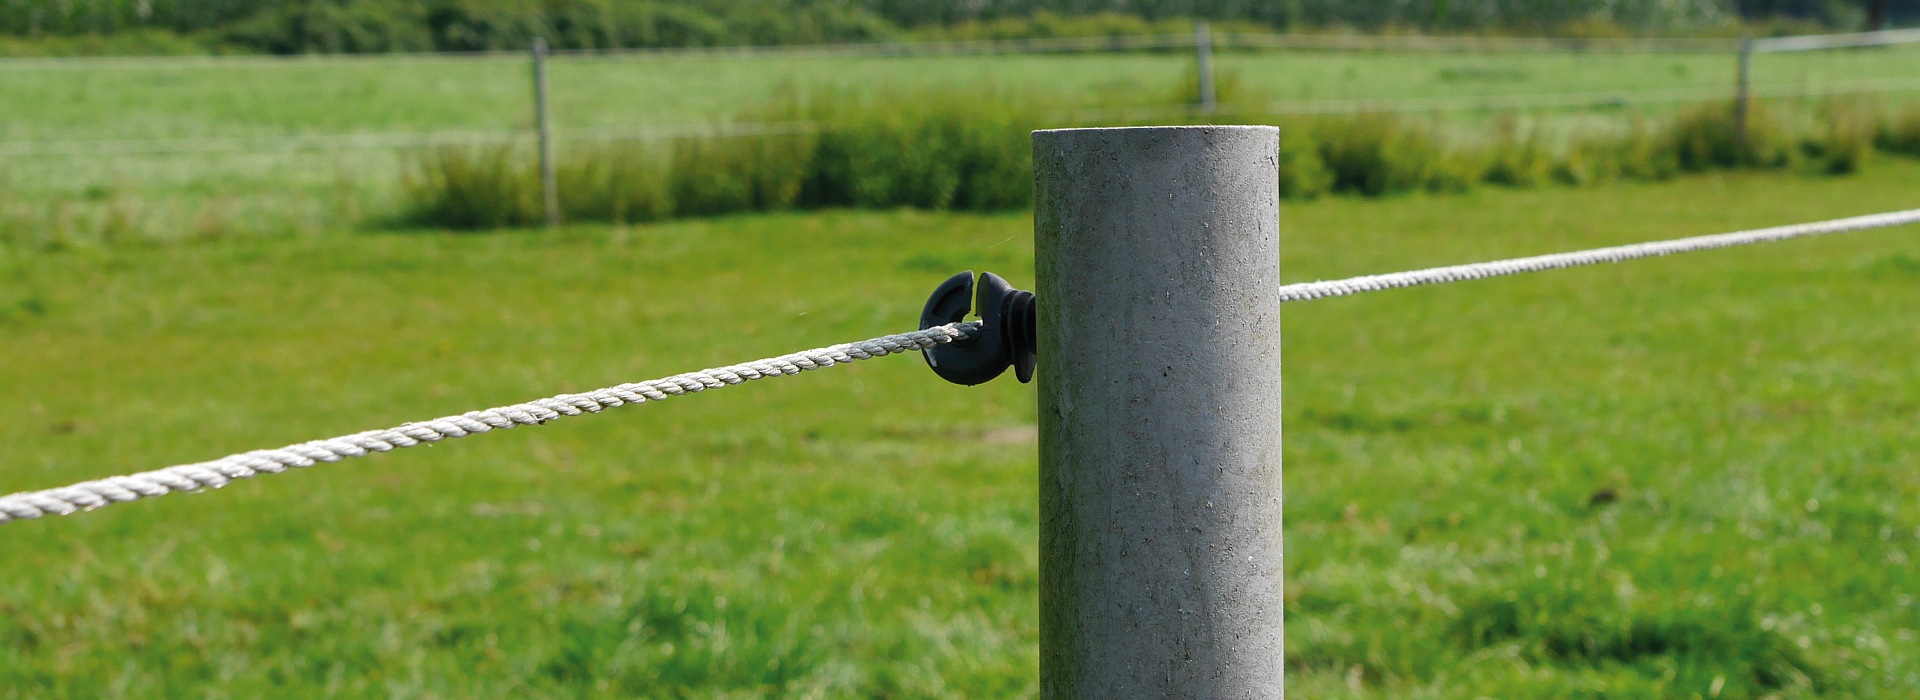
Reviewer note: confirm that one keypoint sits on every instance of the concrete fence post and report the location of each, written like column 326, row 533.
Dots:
column 1157, row 275
column 1203, row 65
column 543, row 119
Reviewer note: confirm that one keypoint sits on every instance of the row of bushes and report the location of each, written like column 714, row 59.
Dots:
column 959, row 151
column 1379, row 154
column 970, row 151
column 372, row 26
column 361, row 26
column 29, row 17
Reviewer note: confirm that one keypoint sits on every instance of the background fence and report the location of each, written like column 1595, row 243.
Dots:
column 1252, row 59
column 314, row 143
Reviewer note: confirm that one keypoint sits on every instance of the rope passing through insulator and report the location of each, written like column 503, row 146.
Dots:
column 89, row 495
column 1007, row 336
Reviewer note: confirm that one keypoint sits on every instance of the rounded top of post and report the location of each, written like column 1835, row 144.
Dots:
column 1137, row 130
column 1264, row 137
column 1156, row 142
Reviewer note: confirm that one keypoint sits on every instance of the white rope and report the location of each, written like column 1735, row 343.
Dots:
column 192, row 477
column 1306, row 291
column 1587, row 99
column 1817, row 42
column 1361, row 42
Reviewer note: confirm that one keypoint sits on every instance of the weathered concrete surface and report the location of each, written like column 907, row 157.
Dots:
column 1160, row 550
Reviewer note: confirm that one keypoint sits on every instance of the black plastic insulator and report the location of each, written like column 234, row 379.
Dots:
column 1007, row 335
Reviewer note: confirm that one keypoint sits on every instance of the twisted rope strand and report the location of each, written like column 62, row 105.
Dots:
column 89, row 495
column 1307, row 291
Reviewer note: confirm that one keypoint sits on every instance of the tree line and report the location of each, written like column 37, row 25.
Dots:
column 359, row 26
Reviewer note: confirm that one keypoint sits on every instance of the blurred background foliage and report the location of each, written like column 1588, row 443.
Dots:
column 362, row 26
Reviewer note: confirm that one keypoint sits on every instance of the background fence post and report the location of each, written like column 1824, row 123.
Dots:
column 1157, row 275
column 1743, row 96
column 543, row 117
column 1203, row 65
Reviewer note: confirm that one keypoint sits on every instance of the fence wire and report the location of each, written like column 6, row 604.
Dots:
column 89, row 495
column 1307, row 291
column 399, row 140
column 98, row 493
column 403, row 140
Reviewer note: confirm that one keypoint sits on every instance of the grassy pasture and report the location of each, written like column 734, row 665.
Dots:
column 196, row 98
column 104, row 192
column 1686, row 477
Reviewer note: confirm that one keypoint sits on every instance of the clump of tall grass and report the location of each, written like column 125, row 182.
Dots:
column 1226, row 86
column 936, row 151
column 1900, row 133
column 722, row 174
column 1518, row 156
column 1844, row 140
column 1709, row 137
column 1379, row 154
column 464, row 187
column 621, row 182
column 1642, row 152
column 1303, row 171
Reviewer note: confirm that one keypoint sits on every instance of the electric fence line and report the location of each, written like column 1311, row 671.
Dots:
column 1307, row 291
column 89, row 495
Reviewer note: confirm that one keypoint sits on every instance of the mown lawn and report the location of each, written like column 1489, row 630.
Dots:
column 1694, row 476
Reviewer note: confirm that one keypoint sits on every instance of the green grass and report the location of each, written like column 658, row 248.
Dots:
column 197, row 195
column 1623, row 481
column 189, row 98
column 192, row 98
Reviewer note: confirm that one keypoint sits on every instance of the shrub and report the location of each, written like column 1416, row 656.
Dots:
column 1588, row 162
column 966, row 150
column 961, row 150
column 472, row 187
column 1376, row 154
column 1517, row 157
column 1901, row 132
column 1846, row 137
column 1455, row 171
column 1645, row 154
column 722, row 174
column 362, row 26
column 1706, row 138
column 970, row 150
column 1226, row 86
column 1303, row 173
column 618, row 182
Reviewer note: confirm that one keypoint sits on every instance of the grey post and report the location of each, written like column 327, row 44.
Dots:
column 543, row 117
column 1203, row 64
column 1157, row 276
column 1743, row 96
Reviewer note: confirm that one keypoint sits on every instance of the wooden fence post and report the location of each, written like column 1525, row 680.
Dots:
column 1743, row 97
column 543, row 117
column 1203, row 63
